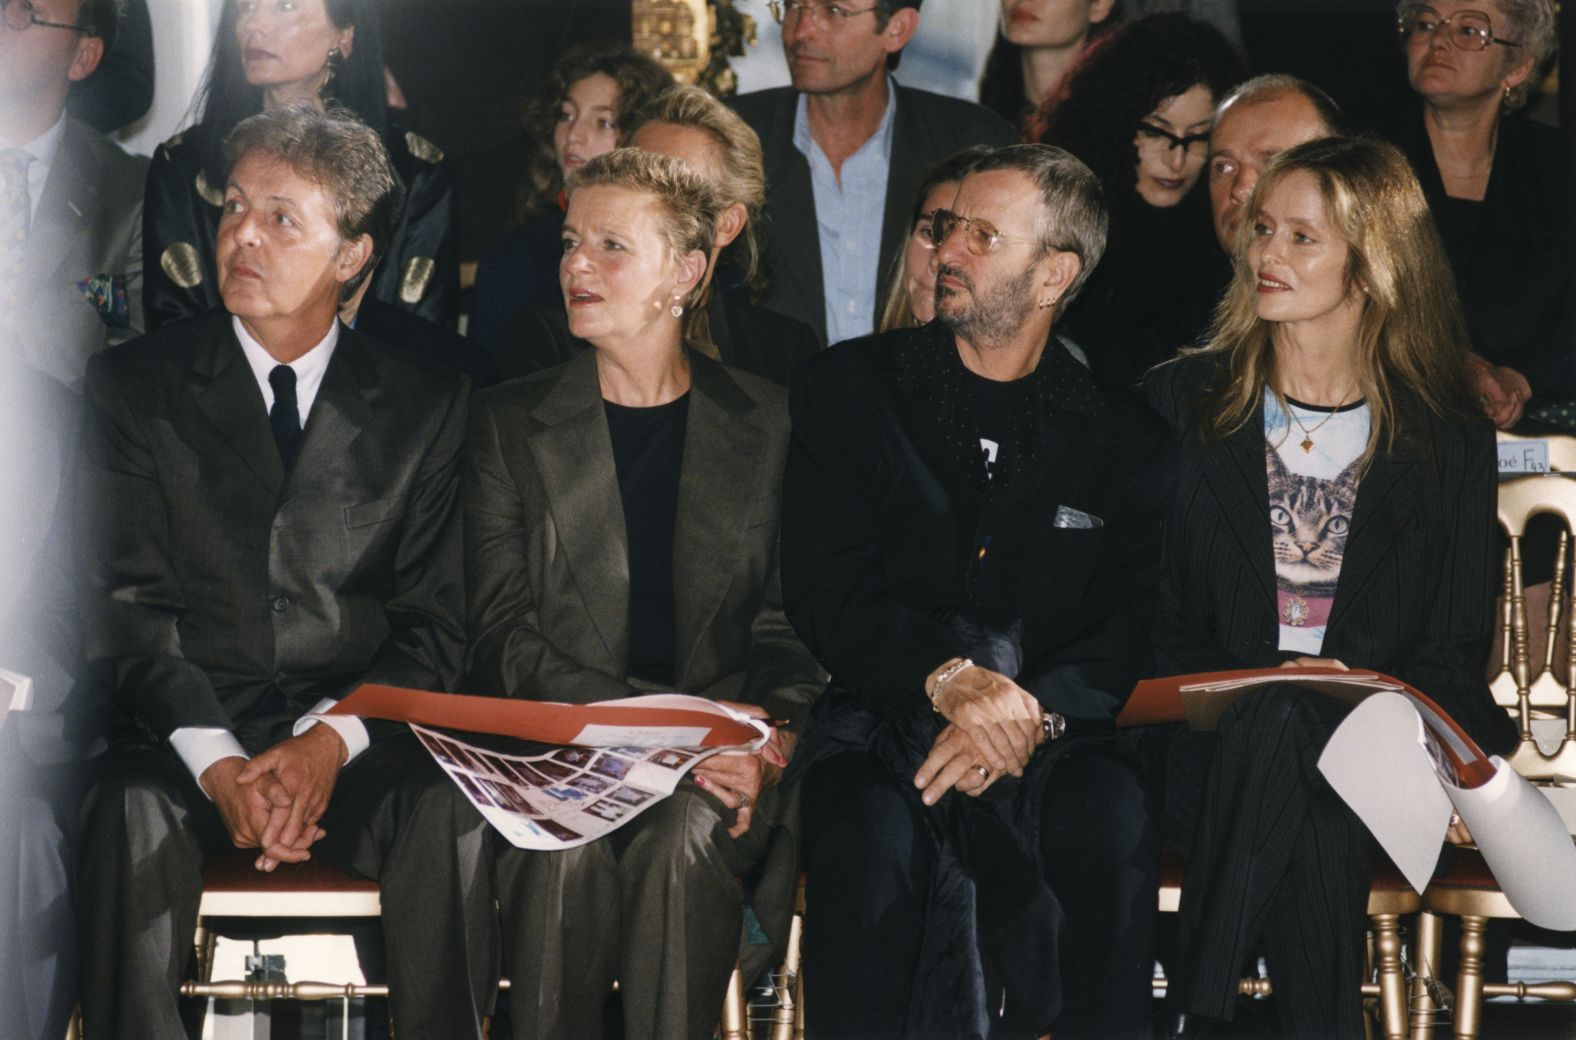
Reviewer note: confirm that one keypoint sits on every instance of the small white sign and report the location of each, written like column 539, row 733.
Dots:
column 1518, row 457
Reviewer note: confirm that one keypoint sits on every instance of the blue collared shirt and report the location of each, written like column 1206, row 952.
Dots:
column 848, row 215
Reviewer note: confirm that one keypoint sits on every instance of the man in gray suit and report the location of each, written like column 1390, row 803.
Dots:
column 70, row 200
column 846, row 148
column 274, row 522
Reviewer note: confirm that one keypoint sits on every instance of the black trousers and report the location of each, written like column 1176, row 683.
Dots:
column 1276, row 863
column 869, row 858
column 394, row 817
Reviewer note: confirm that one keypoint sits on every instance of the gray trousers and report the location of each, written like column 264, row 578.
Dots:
column 655, row 905
column 395, row 817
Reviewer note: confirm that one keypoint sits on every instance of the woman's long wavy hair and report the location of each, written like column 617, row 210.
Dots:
column 226, row 98
column 1412, row 339
column 1121, row 77
column 639, row 79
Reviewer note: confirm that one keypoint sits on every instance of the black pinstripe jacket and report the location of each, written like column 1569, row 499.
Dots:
column 1416, row 592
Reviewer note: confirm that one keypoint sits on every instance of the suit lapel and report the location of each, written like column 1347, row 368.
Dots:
column 339, row 413
column 903, row 178
column 574, row 454
column 1237, row 475
column 795, row 233
column 69, row 196
column 1388, row 495
column 226, row 392
column 722, row 463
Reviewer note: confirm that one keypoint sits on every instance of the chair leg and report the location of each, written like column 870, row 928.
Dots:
column 1469, row 982
column 1392, row 987
column 735, row 1016
column 798, row 1005
column 74, row 1026
column 203, row 944
column 1426, row 951
column 787, row 1013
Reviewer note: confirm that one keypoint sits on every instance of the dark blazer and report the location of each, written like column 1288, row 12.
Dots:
column 747, row 337
column 880, row 523
column 1417, row 586
column 546, row 558
column 420, row 272
column 1514, row 253
column 925, row 128
column 236, row 595
column 81, row 281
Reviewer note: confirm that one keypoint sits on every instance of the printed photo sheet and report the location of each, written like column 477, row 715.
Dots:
column 564, row 797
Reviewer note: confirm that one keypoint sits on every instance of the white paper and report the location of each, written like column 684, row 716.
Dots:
column 1379, row 764
column 564, row 797
column 1525, row 844
column 640, row 736
column 1385, row 762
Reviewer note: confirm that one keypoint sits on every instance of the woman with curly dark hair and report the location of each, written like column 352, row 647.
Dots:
column 577, row 116
column 1137, row 108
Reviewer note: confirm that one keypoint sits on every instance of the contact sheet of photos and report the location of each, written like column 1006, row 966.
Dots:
column 564, row 797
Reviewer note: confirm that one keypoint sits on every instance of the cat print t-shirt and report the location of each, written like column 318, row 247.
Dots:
column 1312, row 458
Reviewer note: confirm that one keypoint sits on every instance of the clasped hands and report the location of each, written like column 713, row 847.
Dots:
column 993, row 729
column 737, row 778
column 273, row 802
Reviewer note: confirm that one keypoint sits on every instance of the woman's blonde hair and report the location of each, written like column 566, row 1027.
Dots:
column 1411, row 339
column 689, row 206
column 741, row 167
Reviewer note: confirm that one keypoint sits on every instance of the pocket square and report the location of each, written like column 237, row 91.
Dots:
column 1076, row 519
column 107, row 293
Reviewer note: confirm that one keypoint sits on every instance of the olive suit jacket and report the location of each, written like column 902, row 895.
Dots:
column 547, row 560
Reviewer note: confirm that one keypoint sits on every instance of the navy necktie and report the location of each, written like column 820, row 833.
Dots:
column 285, row 417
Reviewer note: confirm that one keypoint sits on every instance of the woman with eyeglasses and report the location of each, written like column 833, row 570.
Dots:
column 1494, row 181
column 1138, row 108
column 270, row 53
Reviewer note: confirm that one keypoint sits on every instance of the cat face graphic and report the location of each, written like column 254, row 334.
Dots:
column 1309, row 520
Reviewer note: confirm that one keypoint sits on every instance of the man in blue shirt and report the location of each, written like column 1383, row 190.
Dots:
column 846, row 148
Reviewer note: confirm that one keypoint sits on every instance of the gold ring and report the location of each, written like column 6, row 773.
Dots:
column 982, row 771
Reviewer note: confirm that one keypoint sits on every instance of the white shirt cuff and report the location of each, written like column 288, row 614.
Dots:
column 350, row 729
column 202, row 746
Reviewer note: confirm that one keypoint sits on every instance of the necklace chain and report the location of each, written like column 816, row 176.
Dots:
column 1307, row 434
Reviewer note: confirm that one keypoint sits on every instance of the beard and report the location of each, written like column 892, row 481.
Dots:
column 988, row 318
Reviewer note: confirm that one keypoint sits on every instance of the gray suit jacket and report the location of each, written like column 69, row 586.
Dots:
column 925, row 129
column 234, row 594
column 88, row 229
column 547, row 563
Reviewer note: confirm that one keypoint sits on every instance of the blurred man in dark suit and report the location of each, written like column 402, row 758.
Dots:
column 274, row 523
column 70, row 200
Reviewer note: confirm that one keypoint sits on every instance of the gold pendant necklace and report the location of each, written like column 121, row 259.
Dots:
column 1307, row 434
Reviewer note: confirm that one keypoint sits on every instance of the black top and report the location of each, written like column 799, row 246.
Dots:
column 519, row 270
column 1153, row 292
column 994, row 403
column 1511, row 253
column 648, row 450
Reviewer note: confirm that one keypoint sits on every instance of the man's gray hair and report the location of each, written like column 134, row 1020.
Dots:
column 1277, row 85
column 1073, row 216
column 339, row 153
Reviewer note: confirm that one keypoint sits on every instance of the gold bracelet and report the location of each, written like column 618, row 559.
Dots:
column 948, row 673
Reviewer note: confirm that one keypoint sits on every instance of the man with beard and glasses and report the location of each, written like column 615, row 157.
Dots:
column 969, row 545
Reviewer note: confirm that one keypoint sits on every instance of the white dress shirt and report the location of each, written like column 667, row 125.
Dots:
column 42, row 148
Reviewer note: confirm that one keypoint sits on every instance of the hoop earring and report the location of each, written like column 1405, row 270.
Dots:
column 1506, row 97
column 332, row 65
